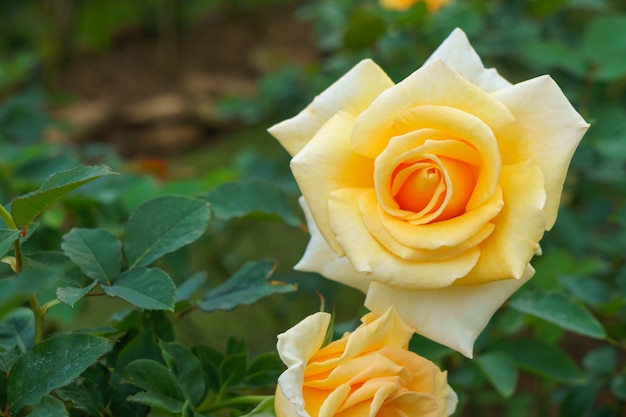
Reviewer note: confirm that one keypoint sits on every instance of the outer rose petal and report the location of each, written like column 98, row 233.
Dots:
column 458, row 53
column 351, row 93
column 453, row 316
column 295, row 347
column 546, row 130
column 320, row 258
column 328, row 163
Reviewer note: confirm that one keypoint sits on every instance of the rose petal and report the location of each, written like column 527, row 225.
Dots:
column 372, row 220
column 519, row 227
column 453, row 316
column 352, row 93
column 327, row 163
column 295, row 347
column 367, row 255
column 546, row 130
column 458, row 53
column 320, row 258
column 434, row 84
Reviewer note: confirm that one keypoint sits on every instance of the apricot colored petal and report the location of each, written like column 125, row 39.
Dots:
column 319, row 257
column 326, row 164
column 448, row 233
column 351, row 93
column 547, row 130
column 519, row 227
column 366, row 254
column 458, row 53
column 295, row 347
column 434, row 84
column 453, row 316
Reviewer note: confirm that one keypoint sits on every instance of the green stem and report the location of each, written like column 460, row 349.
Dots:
column 39, row 315
column 232, row 402
column 8, row 219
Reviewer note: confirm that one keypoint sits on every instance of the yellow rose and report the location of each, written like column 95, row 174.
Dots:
column 368, row 372
column 432, row 5
column 432, row 194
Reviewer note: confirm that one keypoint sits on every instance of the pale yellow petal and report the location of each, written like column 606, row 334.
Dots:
column 333, row 402
column 326, row 164
column 453, row 316
column 352, row 93
column 319, row 257
column 295, row 347
column 367, row 255
column 547, row 130
column 518, row 228
column 458, row 53
column 434, row 84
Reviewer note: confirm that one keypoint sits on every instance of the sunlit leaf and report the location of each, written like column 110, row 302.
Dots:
column 26, row 208
column 163, row 225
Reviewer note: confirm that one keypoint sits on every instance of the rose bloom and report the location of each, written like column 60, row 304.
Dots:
column 432, row 194
column 432, row 5
column 368, row 372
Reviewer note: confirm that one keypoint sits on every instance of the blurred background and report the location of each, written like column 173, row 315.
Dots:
column 177, row 95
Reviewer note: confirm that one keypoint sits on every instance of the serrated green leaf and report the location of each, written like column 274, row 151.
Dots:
column 8, row 358
column 71, row 295
column 500, row 369
column 233, row 369
column 264, row 409
column 84, row 394
column 248, row 285
column 51, row 364
column 26, row 208
column 147, row 288
column 7, row 238
column 187, row 368
column 17, row 329
column 155, row 378
column 49, row 407
column 558, row 309
column 159, row 401
column 545, row 360
column 97, row 252
column 163, row 225
column 250, row 197
column 264, row 370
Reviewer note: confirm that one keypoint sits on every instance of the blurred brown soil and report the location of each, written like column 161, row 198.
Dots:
column 151, row 96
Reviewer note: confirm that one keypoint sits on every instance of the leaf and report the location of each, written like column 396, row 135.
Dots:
column 618, row 386
column 71, row 295
column 558, row 309
column 154, row 377
column 245, row 198
column 51, row 364
column 187, row 368
column 592, row 291
column 545, row 360
column 147, row 288
column 97, row 252
column 248, row 285
column 191, row 285
column 49, row 407
column 232, row 370
column 7, row 237
column 29, row 281
column 18, row 329
column 500, row 369
column 605, row 48
column 7, row 359
column 264, row 370
column 264, row 409
column 601, row 361
column 84, row 394
column 27, row 207
column 161, row 226
column 156, row 400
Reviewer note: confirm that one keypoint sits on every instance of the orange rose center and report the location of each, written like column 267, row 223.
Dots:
column 422, row 186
